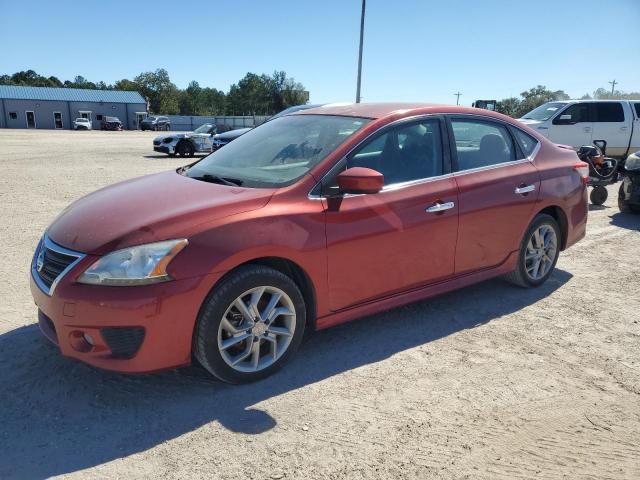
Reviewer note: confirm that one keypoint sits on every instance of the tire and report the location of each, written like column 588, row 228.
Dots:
column 521, row 276
column 598, row 195
column 624, row 206
column 185, row 149
column 166, row 128
column 211, row 334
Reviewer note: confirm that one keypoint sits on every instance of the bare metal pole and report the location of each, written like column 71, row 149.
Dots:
column 360, row 51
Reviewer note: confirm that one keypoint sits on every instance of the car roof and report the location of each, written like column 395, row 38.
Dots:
column 380, row 110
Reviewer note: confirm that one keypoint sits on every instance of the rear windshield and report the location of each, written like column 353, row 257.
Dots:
column 279, row 152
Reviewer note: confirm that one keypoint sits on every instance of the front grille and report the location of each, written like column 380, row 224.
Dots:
column 124, row 342
column 50, row 262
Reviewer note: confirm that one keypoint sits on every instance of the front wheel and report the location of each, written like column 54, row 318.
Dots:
column 538, row 253
column 623, row 205
column 250, row 325
column 185, row 149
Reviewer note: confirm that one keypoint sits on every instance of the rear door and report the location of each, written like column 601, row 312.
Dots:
column 612, row 125
column 498, row 187
column 404, row 236
column 573, row 126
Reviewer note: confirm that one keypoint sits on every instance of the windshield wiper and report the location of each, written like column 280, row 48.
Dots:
column 207, row 177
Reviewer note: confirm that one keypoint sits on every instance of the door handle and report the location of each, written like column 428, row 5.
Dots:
column 440, row 207
column 623, row 129
column 525, row 189
column 587, row 129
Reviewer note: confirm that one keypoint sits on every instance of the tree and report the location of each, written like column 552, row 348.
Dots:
column 157, row 88
column 509, row 106
column 605, row 94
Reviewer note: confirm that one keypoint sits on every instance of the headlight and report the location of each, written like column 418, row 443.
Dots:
column 632, row 162
column 139, row 265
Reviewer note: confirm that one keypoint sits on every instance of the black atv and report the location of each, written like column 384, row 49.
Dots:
column 629, row 193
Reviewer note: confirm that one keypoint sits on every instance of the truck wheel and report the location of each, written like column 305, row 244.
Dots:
column 598, row 195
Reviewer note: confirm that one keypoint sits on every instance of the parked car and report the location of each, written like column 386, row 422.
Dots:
column 629, row 192
column 111, row 123
column 190, row 143
column 221, row 139
column 580, row 122
column 155, row 123
column 305, row 222
column 82, row 124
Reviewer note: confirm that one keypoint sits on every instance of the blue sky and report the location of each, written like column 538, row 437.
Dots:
column 415, row 50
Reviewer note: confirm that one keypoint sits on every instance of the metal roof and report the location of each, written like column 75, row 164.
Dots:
column 18, row 92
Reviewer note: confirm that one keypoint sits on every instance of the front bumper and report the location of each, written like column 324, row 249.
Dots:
column 164, row 149
column 132, row 329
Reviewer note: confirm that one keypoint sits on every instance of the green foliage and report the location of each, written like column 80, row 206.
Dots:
column 532, row 98
column 252, row 95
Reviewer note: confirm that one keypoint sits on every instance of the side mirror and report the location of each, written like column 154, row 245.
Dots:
column 360, row 180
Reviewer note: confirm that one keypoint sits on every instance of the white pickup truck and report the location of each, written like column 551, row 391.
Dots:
column 580, row 122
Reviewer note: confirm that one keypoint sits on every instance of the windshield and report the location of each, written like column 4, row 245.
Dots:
column 206, row 128
column 544, row 112
column 150, row 119
column 279, row 152
column 81, row 120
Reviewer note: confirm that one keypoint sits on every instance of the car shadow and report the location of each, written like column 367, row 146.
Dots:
column 593, row 207
column 630, row 221
column 60, row 416
column 165, row 156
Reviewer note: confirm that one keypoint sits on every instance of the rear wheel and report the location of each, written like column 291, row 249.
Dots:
column 250, row 325
column 538, row 253
column 598, row 195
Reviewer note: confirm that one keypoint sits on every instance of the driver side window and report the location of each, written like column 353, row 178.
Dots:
column 404, row 153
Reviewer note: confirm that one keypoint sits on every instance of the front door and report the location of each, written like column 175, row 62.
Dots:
column 497, row 190
column 395, row 240
column 57, row 120
column 31, row 119
column 572, row 126
column 139, row 117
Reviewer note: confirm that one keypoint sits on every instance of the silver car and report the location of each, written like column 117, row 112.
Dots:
column 82, row 124
column 187, row 144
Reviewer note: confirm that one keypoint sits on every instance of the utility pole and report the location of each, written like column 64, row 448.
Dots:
column 457, row 94
column 360, row 52
column 613, row 86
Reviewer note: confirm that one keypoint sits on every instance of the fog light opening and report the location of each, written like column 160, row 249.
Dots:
column 81, row 341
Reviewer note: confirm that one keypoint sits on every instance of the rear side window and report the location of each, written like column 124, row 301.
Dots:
column 404, row 153
column 609, row 112
column 481, row 144
column 637, row 107
column 527, row 142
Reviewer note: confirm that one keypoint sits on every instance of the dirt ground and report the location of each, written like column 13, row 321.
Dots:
column 489, row 382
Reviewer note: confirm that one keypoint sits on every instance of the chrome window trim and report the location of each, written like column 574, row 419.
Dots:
column 411, row 183
column 49, row 244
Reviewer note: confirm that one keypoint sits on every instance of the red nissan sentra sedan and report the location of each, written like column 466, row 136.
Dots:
column 310, row 220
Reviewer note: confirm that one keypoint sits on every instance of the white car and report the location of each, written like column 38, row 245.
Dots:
column 82, row 124
column 581, row 122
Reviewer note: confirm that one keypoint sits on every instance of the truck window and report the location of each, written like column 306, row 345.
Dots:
column 637, row 107
column 609, row 112
column 579, row 112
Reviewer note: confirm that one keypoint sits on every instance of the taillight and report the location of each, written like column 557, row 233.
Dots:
column 583, row 169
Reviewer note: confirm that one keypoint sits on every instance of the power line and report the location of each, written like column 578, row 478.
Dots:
column 613, row 86
column 457, row 94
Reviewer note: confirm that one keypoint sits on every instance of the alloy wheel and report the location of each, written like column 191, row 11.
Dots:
column 541, row 252
column 256, row 329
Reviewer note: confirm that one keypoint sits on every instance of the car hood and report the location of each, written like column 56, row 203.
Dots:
column 148, row 209
column 178, row 136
